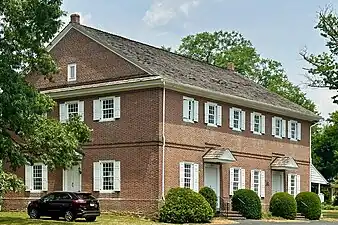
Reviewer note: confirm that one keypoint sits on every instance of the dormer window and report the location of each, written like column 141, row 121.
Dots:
column 72, row 72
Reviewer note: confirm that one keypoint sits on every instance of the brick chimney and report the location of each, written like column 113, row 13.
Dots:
column 75, row 18
column 231, row 66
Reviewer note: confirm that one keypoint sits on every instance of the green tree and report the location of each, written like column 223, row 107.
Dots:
column 323, row 71
column 325, row 147
column 26, row 134
column 221, row 48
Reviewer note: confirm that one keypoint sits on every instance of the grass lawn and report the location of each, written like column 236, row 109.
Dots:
column 331, row 214
column 15, row 218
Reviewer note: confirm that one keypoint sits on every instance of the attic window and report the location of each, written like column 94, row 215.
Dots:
column 72, row 72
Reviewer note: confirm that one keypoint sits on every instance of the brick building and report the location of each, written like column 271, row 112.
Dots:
column 161, row 120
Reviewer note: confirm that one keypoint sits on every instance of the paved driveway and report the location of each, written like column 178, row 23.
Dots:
column 253, row 222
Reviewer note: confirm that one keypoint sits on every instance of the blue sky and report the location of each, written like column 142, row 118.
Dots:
column 278, row 29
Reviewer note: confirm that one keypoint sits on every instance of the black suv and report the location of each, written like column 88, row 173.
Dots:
column 70, row 205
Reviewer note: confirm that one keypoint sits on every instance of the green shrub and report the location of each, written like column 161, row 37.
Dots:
column 183, row 205
column 283, row 205
column 308, row 204
column 211, row 197
column 335, row 201
column 329, row 207
column 247, row 203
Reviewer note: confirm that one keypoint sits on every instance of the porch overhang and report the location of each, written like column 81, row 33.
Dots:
column 219, row 155
column 284, row 163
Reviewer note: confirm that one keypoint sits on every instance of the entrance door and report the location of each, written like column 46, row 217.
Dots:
column 212, row 179
column 277, row 181
column 72, row 179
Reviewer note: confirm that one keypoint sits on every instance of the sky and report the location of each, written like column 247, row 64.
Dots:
column 278, row 29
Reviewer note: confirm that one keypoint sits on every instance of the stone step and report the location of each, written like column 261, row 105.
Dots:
column 236, row 218
column 233, row 215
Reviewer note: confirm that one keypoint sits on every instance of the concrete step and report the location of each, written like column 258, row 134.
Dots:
column 232, row 215
column 236, row 218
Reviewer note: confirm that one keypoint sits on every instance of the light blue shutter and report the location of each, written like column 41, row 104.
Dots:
column 117, row 176
column 117, row 107
column 196, row 111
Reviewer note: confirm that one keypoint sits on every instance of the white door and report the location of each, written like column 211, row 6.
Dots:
column 277, row 181
column 212, row 179
column 72, row 179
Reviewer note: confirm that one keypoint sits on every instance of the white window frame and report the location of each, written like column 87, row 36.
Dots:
column 239, row 111
column 194, row 175
column 44, row 178
column 101, row 105
column 191, row 183
column 296, row 186
column 32, row 188
column 69, row 78
column 241, row 119
column 101, row 165
column 241, row 179
column 217, row 114
column 261, row 182
column 282, row 127
column 190, row 116
column 297, row 130
column 70, row 103
column 261, row 123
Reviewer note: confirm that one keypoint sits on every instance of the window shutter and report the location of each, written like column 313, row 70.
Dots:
column 283, row 128
column 289, row 184
column 195, row 111
column 263, row 124
column 273, row 128
column 262, row 183
column 289, row 129
column 298, row 184
column 252, row 179
column 231, row 118
column 64, row 179
column 243, row 120
column 117, row 107
column 63, row 112
column 97, row 110
column 181, row 174
column 28, row 177
column 196, row 177
column 117, row 176
column 243, row 178
column 231, row 191
column 44, row 178
column 81, row 110
column 185, row 109
column 206, row 113
column 219, row 115
column 299, row 131
column 252, row 122
column 96, row 176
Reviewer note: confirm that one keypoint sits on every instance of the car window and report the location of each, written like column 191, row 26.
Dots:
column 85, row 196
column 62, row 196
column 49, row 197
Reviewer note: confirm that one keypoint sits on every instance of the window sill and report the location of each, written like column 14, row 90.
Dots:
column 256, row 133
column 211, row 125
column 106, row 192
column 237, row 129
column 188, row 121
column 292, row 139
column 106, row 120
column 278, row 137
column 36, row 191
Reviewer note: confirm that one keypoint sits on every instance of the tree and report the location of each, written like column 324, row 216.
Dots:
column 325, row 147
column 26, row 134
column 221, row 48
column 324, row 67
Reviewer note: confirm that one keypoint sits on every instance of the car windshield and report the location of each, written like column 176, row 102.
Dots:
column 85, row 196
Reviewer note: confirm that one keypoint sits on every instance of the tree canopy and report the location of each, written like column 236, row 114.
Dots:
column 323, row 71
column 26, row 134
column 221, row 48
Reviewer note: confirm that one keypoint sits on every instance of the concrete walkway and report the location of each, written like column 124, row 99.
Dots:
column 255, row 222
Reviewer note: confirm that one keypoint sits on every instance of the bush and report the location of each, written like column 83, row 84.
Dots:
column 308, row 204
column 211, row 197
column 183, row 205
column 335, row 201
column 283, row 205
column 329, row 207
column 247, row 203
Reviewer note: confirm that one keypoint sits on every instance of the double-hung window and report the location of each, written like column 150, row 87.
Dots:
column 257, row 123
column 237, row 119
column 237, row 179
column 258, row 182
column 106, row 109
column 294, row 130
column 70, row 109
column 293, row 184
column 189, row 175
column 107, row 176
column 213, row 114
column 71, row 72
column 190, row 110
column 278, row 127
column 36, row 177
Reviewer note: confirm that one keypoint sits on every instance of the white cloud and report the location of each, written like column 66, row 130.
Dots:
column 161, row 12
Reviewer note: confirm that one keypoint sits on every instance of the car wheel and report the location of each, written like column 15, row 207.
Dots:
column 91, row 219
column 69, row 216
column 34, row 214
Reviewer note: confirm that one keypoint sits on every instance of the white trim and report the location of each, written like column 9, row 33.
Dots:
column 101, row 172
column 189, row 120
column 275, row 118
column 101, row 108
column 296, row 128
column 208, row 104
column 239, row 129
column 69, row 78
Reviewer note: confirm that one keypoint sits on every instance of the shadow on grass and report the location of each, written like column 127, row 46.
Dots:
column 28, row 221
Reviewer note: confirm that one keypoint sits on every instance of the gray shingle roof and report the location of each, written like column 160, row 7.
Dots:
column 183, row 70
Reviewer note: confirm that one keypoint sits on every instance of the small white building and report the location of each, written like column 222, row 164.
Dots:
column 319, row 179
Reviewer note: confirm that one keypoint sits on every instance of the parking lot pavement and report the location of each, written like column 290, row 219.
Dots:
column 257, row 222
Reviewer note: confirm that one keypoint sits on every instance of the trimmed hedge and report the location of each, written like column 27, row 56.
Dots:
column 182, row 205
column 283, row 205
column 247, row 203
column 210, row 195
column 308, row 204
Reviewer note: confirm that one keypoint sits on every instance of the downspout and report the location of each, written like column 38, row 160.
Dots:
column 163, row 139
